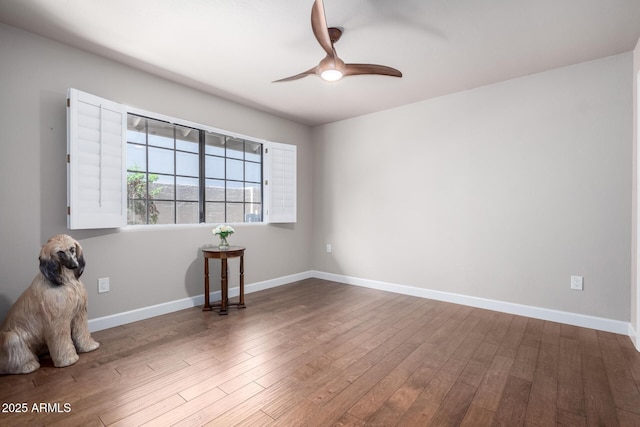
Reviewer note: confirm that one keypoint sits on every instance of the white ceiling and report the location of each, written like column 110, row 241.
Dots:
column 236, row 48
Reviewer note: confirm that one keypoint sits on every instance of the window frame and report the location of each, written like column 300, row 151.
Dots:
column 73, row 209
column 201, row 204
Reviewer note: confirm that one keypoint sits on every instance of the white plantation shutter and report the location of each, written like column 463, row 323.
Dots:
column 281, row 182
column 96, row 173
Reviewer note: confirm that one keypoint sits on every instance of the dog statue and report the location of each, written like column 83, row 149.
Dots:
column 51, row 314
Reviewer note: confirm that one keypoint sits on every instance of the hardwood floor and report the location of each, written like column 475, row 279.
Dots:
column 319, row 353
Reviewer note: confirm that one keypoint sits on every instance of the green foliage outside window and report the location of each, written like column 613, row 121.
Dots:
column 137, row 195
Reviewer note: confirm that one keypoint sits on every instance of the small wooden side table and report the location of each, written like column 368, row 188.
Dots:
column 223, row 255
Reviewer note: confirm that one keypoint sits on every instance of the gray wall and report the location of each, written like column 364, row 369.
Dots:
column 502, row 192
column 146, row 267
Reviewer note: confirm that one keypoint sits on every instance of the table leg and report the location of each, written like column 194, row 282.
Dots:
column 224, row 287
column 241, row 300
column 207, row 305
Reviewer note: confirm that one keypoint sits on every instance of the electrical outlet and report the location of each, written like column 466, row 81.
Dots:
column 103, row 285
column 576, row 283
column 328, row 248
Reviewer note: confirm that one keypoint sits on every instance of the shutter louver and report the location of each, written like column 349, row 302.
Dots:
column 283, row 205
column 96, row 132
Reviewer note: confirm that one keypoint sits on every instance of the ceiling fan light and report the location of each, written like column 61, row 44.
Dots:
column 331, row 75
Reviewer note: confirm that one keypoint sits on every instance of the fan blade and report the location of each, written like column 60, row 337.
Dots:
column 356, row 69
column 309, row 72
column 319, row 26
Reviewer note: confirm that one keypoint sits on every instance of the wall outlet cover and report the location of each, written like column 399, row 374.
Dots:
column 103, row 285
column 577, row 283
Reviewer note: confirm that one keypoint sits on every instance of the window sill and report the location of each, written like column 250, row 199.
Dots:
column 157, row 227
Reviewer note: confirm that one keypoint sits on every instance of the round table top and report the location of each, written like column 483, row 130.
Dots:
column 230, row 251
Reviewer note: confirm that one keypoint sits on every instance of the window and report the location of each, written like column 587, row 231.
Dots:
column 129, row 167
column 233, row 179
column 184, row 175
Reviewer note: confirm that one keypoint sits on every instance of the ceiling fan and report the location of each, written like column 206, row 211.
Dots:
column 332, row 68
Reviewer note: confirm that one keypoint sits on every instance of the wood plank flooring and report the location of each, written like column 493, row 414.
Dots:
column 318, row 353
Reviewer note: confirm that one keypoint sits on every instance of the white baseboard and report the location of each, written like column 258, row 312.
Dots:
column 266, row 284
column 119, row 319
column 599, row 323
column 633, row 334
column 585, row 321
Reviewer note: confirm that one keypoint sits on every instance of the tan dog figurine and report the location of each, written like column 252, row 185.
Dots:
column 51, row 314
